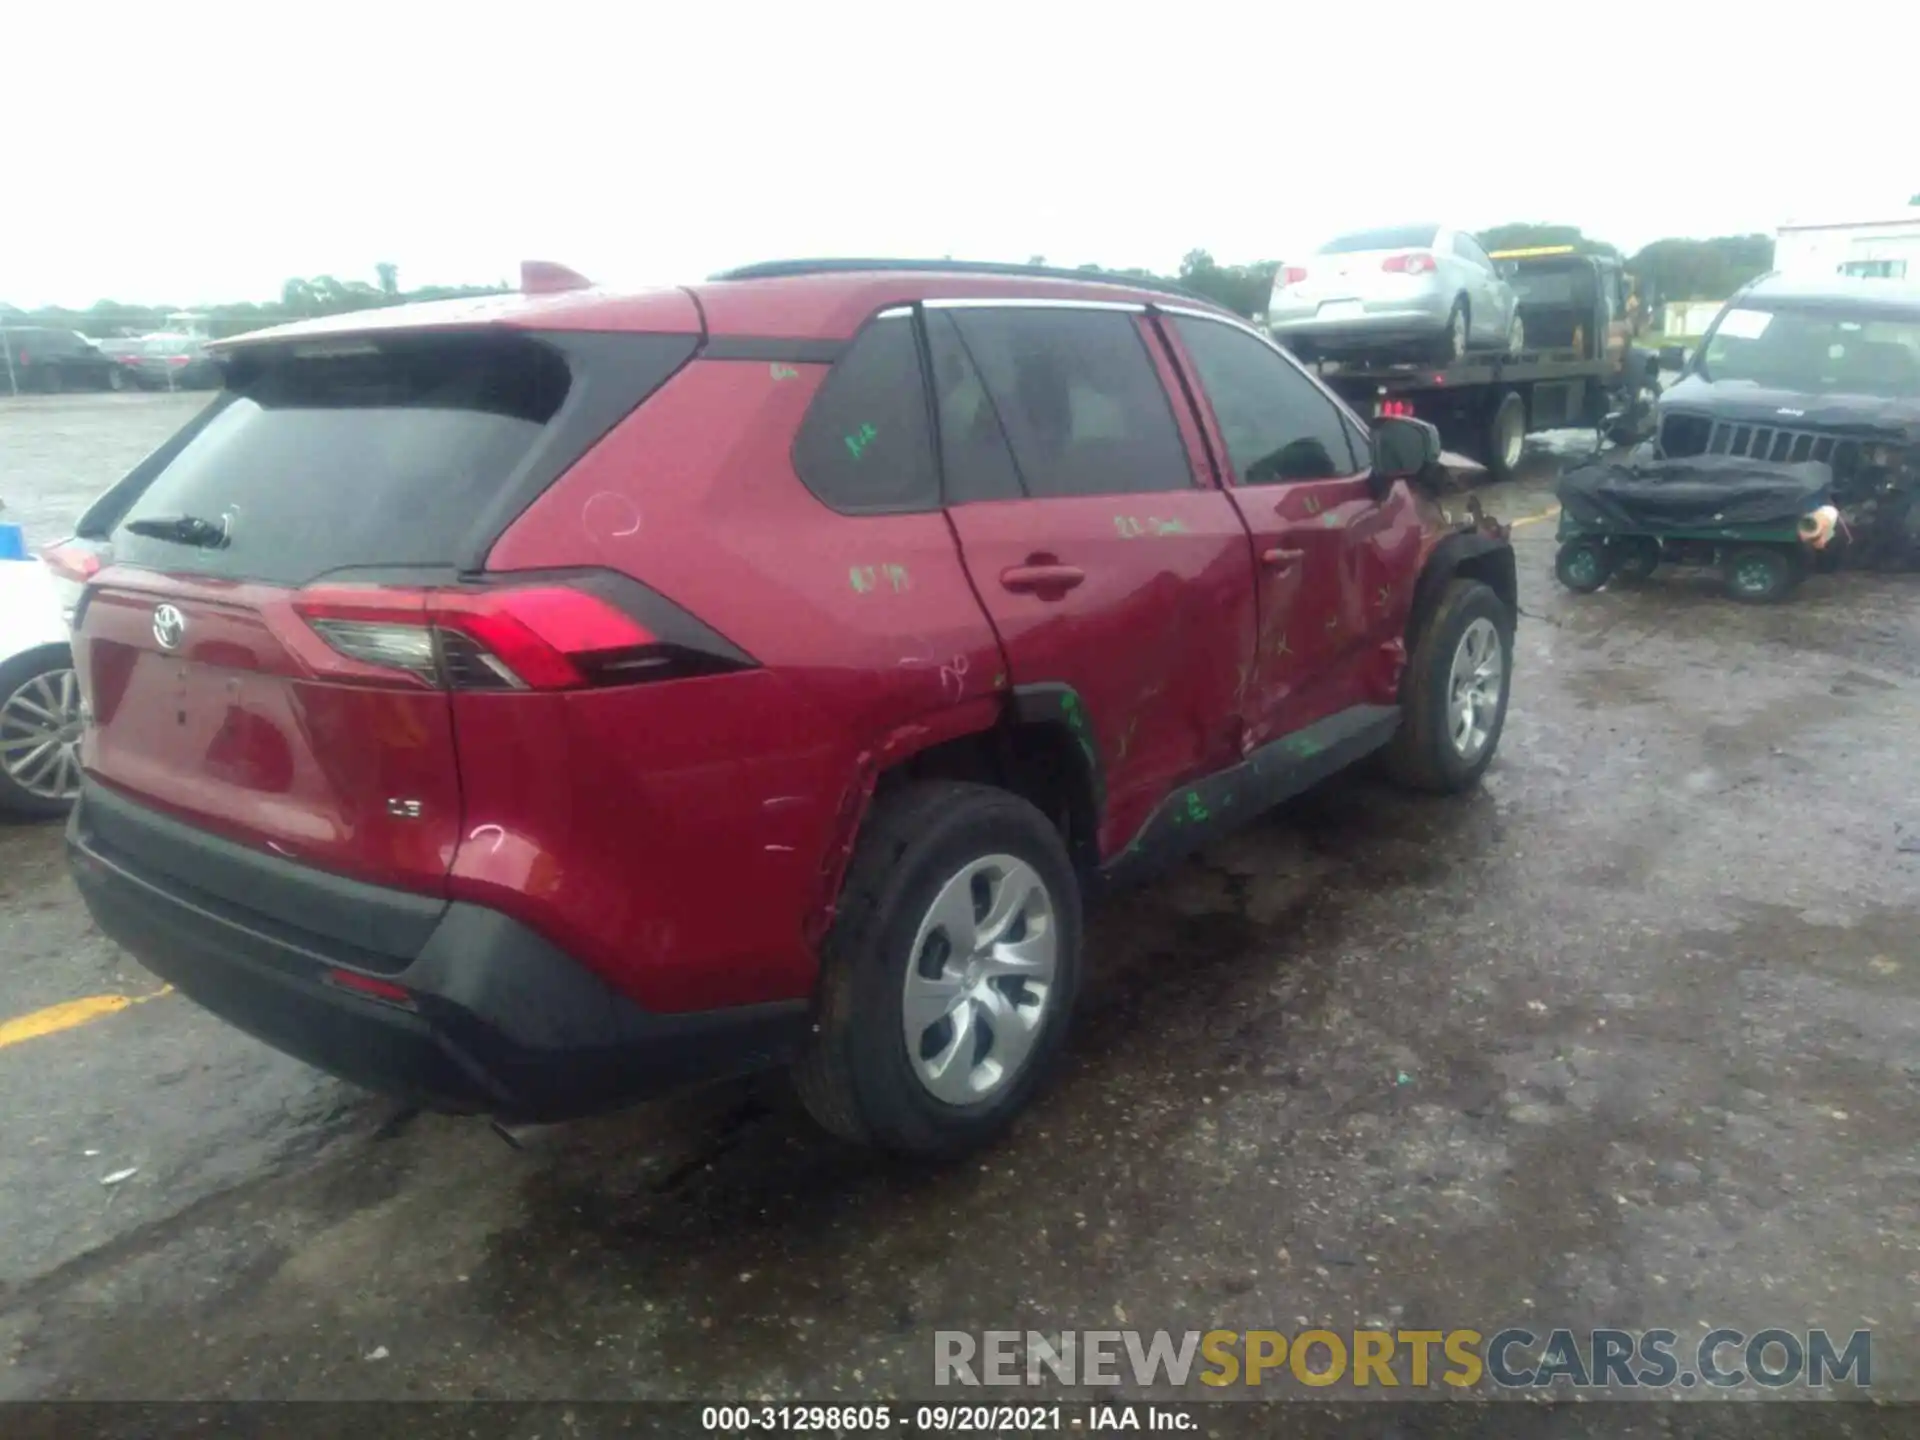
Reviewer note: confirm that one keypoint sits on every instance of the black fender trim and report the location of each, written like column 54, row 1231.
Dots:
column 1195, row 814
column 1458, row 549
column 1056, row 703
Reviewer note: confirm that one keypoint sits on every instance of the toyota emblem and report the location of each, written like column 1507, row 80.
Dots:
column 168, row 626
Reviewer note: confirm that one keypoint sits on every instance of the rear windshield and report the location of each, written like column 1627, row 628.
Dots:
column 1404, row 237
column 366, row 456
column 1546, row 287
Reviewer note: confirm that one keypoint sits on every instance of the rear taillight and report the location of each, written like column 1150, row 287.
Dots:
column 71, row 562
column 1292, row 275
column 549, row 637
column 1394, row 408
column 1416, row 262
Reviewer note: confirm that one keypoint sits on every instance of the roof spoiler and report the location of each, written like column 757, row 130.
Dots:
column 544, row 277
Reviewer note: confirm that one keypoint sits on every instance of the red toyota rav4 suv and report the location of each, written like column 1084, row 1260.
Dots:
column 526, row 704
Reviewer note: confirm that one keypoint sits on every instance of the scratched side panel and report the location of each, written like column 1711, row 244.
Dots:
column 681, row 836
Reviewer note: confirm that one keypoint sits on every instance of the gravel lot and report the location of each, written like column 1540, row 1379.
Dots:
column 1627, row 1038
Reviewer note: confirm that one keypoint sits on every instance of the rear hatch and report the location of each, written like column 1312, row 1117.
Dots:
column 292, row 599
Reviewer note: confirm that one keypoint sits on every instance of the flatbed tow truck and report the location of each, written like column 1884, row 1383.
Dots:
column 1585, row 374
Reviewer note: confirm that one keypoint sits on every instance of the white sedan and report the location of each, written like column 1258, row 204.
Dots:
column 39, row 695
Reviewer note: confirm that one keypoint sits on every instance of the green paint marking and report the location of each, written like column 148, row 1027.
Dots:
column 784, row 372
column 1131, row 526
column 1329, row 519
column 897, row 577
column 860, row 439
column 1195, row 810
column 861, row 578
column 1313, row 506
column 999, row 679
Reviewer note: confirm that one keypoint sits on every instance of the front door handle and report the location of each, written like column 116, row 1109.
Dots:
column 1284, row 559
column 1042, row 580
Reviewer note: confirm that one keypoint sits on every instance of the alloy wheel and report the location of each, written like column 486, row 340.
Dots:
column 1473, row 689
column 40, row 735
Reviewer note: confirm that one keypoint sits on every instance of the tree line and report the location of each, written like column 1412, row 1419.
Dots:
column 1666, row 270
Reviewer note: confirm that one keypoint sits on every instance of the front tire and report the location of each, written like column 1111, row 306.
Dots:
column 949, row 974
column 1454, row 699
column 1583, row 566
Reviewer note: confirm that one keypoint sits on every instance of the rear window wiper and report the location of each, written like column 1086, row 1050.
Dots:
column 182, row 530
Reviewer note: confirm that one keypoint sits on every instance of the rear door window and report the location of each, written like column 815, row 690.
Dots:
column 864, row 446
column 1468, row 249
column 1276, row 423
column 1078, row 399
column 974, row 455
column 363, row 456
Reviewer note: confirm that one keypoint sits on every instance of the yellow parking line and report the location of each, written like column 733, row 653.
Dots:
column 68, row 1014
column 1536, row 519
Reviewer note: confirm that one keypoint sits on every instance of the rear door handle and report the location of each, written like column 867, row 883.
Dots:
column 1284, row 559
column 1041, row 579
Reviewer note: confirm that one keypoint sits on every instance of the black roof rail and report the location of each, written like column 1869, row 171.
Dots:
column 780, row 269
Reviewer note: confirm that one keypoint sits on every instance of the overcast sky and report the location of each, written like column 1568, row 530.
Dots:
column 191, row 153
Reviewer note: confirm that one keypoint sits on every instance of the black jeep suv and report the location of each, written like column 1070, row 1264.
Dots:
column 1815, row 368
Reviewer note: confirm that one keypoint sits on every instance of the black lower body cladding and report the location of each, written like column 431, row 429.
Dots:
column 494, row 1018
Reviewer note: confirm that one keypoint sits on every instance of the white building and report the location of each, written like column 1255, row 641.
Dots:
column 1883, row 249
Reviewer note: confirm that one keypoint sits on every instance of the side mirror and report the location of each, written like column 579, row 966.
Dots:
column 1403, row 448
column 1673, row 357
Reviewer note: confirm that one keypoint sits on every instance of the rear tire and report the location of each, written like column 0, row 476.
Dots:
column 1635, row 558
column 1762, row 574
column 927, row 855
column 1456, row 339
column 1506, row 441
column 1464, row 655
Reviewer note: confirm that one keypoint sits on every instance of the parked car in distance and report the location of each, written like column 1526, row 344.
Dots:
column 39, row 696
column 530, row 704
column 46, row 360
column 174, row 362
column 1420, row 289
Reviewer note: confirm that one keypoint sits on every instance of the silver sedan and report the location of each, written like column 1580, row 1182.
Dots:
column 1419, row 288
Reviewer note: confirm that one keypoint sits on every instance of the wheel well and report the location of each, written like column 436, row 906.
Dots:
column 1494, row 569
column 1038, row 761
column 1467, row 556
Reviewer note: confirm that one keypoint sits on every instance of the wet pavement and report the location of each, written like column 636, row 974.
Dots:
column 1626, row 1038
